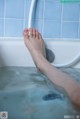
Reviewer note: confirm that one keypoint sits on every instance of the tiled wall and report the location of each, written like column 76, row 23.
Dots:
column 52, row 18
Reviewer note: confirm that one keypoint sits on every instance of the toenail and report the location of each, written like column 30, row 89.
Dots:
column 25, row 30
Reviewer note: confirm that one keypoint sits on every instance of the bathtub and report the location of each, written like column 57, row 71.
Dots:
column 28, row 94
column 14, row 53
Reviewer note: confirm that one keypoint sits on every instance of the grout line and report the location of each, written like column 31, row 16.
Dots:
column 43, row 19
column 61, row 20
column 11, row 38
column 4, row 16
column 79, row 26
column 24, row 13
column 37, row 19
column 20, row 39
column 71, row 21
column 12, row 18
column 78, row 29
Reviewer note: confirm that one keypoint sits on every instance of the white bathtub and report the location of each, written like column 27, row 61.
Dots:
column 14, row 53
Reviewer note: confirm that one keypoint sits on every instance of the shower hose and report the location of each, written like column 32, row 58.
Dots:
column 72, row 62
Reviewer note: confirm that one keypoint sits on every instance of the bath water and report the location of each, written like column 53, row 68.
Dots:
column 25, row 93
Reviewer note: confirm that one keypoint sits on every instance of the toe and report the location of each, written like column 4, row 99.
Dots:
column 34, row 33
column 37, row 34
column 25, row 33
column 40, row 37
column 30, row 33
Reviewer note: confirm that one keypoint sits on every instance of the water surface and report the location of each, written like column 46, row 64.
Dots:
column 27, row 94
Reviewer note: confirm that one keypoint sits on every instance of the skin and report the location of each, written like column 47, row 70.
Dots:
column 35, row 44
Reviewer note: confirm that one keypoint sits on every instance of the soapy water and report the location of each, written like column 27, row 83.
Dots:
column 28, row 94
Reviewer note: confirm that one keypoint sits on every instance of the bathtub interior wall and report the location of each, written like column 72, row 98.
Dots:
column 52, row 18
column 13, row 49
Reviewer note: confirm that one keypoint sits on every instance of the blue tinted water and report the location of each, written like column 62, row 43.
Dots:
column 27, row 94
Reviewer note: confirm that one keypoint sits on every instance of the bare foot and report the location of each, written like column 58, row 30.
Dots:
column 34, row 43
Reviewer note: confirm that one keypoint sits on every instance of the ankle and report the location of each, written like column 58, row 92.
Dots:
column 40, row 64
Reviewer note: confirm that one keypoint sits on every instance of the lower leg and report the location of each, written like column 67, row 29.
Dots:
column 36, row 46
